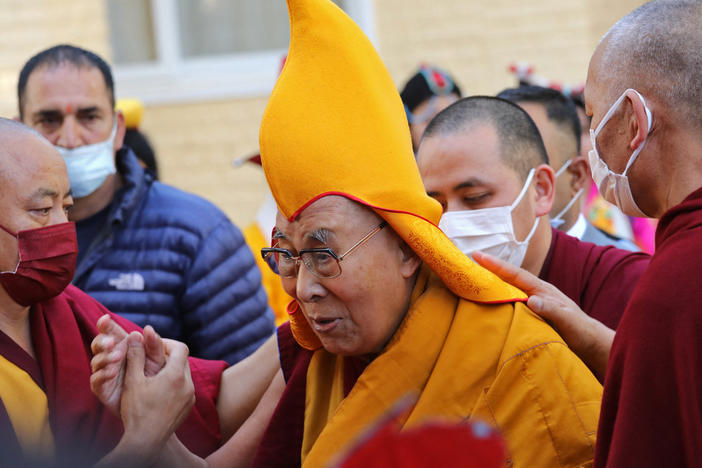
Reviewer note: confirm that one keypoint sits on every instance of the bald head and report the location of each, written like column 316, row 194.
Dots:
column 520, row 145
column 14, row 152
column 655, row 49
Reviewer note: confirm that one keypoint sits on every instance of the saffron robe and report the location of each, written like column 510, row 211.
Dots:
column 83, row 429
column 600, row 279
column 498, row 363
column 652, row 404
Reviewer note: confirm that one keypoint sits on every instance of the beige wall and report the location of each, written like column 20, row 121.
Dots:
column 195, row 143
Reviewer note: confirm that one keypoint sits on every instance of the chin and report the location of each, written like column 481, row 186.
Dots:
column 342, row 349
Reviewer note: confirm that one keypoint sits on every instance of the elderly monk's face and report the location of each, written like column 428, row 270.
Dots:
column 357, row 312
column 35, row 189
column 464, row 171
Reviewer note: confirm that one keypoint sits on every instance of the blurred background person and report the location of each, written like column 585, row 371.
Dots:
column 133, row 109
column 557, row 120
column 425, row 94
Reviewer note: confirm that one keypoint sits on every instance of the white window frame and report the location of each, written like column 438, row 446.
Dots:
column 172, row 78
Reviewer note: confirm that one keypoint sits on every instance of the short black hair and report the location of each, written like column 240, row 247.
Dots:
column 141, row 146
column 427, row 82
column 521, row 146
column 57, row 55
column 559, row 107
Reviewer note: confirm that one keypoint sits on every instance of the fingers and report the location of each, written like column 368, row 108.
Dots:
column 135, row 356
column 155, row 351
column 102, row 343
column 177, row 353
column 107, row 326
column 511, row 274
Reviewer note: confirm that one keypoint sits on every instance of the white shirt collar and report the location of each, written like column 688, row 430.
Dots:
column 578, row 229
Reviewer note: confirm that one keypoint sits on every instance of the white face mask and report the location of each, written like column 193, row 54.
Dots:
column 88, row 166
column 558, row 220
column 489, row 230
column 612, row 186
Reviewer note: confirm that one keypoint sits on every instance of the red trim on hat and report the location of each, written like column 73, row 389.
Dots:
column 356, row 199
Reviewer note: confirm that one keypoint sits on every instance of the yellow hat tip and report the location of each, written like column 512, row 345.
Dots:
column 132, row 109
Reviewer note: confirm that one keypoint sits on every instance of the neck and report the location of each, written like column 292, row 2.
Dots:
column 14, row 322
column 668, row 169
column 538, row 247
column 570, row 217
column 86, row 207
column 685, row 177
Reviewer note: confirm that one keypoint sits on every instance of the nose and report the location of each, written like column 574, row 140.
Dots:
column 68, row 133
column 308, row 288
column 454, row 204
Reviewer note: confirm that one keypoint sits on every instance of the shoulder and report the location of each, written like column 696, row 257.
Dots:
column 167, row 207
column 175, row 200
column 598, row 256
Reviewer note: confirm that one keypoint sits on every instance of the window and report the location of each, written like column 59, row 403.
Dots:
column 180, row 50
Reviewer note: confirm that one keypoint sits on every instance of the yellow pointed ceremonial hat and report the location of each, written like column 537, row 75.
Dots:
column 335, row 125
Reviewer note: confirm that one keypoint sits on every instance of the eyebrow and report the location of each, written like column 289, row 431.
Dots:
column 278, row 234
column 59, row 113
column 321, row 235
column 472, row 182
column 43, row 193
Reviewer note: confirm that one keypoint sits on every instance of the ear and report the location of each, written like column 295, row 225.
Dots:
column 544, row 183
column 121, row 130
column 410, row 261
column 638, row 123
column 579, row 170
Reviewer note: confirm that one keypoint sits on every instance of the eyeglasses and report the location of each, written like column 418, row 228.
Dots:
column 322, row 262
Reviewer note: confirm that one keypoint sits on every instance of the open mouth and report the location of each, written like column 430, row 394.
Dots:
column 325, row 324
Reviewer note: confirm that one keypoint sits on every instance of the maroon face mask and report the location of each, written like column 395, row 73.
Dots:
column 47, row 261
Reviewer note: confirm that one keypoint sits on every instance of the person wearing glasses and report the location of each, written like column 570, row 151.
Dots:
column 384, row 304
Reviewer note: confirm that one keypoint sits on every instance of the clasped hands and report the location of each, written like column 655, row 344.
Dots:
column 146, row 381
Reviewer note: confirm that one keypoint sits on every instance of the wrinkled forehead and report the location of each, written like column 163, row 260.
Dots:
column 329, row 215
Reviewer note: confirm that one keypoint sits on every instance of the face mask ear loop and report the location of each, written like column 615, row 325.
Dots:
column 563, row 168
column 19, row 254
column 569, row 205
column 527, row 183
column 636, row 152
column 524, row 189
column 531, row 233
column 609, row 113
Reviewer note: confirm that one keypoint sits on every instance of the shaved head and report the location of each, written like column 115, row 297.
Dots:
column 520, row 144
column 11, row 132
column 656, row 50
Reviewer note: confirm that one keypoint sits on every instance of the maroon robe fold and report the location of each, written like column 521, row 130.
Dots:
column 83, row 429
column 652, row 404
column 600, row 279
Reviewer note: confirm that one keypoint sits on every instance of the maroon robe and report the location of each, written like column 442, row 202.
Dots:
column 84, row 430
column 281, row 446
column 600, row 279
column 652, row 404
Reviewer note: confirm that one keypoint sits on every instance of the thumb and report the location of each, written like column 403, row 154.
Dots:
column 135, row 356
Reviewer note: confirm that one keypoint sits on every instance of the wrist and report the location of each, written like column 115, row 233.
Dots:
column 138, row 450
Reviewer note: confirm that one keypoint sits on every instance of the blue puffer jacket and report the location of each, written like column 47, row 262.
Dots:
column 175, row 261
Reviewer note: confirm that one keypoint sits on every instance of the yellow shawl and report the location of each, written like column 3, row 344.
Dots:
column 498, row 363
